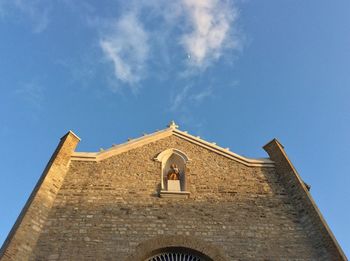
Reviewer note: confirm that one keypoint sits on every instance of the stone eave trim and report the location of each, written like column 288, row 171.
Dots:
column 225, row 152
column 135, row 143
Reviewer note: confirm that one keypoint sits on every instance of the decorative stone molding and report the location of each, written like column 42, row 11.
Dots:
column 158, row 244
column 174, row 194
column 164, row 155
column 143, row 140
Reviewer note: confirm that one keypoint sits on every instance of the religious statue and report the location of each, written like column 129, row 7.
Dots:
column 174, row 172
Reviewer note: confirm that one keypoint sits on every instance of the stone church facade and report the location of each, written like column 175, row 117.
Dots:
column 169, row 196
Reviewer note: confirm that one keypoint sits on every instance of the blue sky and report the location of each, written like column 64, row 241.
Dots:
column 238, row 73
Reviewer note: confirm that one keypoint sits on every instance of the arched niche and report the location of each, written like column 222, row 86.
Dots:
column 173, row 160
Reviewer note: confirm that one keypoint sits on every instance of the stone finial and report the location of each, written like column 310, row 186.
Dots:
column 173, row 125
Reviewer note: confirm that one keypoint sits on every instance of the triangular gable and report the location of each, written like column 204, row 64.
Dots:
column 171, row 130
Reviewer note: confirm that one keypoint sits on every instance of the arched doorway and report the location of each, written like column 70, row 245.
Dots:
column 184, row 248
column 177, row 254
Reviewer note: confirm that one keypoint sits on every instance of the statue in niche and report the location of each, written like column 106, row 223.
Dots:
column 174, row 173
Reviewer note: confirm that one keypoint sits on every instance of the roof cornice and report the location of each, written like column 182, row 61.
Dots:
column 171, row 130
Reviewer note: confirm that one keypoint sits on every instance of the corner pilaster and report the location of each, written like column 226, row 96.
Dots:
column 313, row 220
column 22, row 239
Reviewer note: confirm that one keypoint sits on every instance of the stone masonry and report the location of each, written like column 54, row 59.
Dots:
column 110, row 209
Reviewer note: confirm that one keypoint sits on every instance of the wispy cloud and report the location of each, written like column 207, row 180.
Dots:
column 200, row 96
column 36, row 11
column 127, row 47
column 211, row 23
column 31, row 93
column 179, row 98
column 203, row 29
column 190, row 95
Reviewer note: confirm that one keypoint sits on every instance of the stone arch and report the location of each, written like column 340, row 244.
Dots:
column 148, row 248
column 167, row 157
column 166, row 154
column 177, row 254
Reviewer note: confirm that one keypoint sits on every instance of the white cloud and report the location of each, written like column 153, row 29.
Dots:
column 152, row 30
column 200, row 96
column 179, row 98
column 189, row 96
column 211, row 22
column 127, row 48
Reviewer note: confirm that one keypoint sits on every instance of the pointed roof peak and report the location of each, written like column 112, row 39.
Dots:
column 173, row 125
